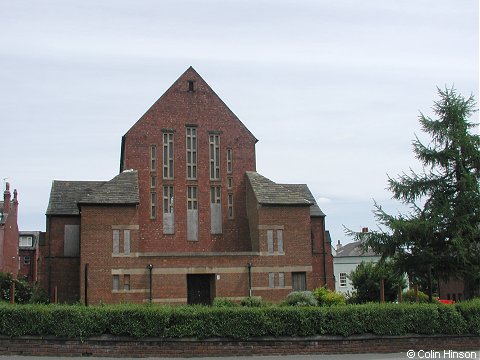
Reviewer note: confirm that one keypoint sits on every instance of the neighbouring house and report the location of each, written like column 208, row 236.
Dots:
column 28, row 242
column 346, row 259
column 9, row 232
column 187, row 219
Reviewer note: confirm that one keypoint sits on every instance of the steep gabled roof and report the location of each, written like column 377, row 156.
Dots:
column 269, row 193
column 66, row 195
column 122, row 189
column 305, row 191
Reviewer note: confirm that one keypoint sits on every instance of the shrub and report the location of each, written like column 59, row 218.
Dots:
column 222, row 302
column 327, row 297
column 409, row 296
column 138, row 321
column 300, row 298
column 254, row 301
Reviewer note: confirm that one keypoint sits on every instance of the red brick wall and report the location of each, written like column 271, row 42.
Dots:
column 54, row 269
column 115, row 347
column 176, row 108
column 9, row 236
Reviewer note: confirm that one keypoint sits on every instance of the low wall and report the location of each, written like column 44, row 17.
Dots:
column 106, row 346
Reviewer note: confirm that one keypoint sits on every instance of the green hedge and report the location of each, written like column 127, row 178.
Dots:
column 238, row 322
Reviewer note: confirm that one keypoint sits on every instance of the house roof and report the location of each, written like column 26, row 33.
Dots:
column 305, row 191
column 66, row 195
column 122, row 189
column 354, row 249
column 269, row 193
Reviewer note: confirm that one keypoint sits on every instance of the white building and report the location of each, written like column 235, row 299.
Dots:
column 345, row 260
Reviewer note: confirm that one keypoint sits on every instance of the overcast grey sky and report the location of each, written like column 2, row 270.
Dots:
column 332, row 89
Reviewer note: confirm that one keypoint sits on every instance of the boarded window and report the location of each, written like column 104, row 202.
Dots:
column 192, row 213
column 280, row 241
column 215, row 210
column 126, row 282
column 271, row 280
column 168, row 217
column 115, row 282
column 126, row 242
column 270, row 242
column 281, row 280
column 116, row 242
column 71, row 240
column 299, row 281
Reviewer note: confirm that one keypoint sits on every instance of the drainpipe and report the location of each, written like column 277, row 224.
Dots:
column 150, row 267
column 249, row 266
column 86, row 284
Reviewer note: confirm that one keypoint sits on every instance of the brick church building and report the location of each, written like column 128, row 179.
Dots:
column 187, row 219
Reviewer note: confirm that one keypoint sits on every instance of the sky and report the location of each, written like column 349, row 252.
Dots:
column 331, row 88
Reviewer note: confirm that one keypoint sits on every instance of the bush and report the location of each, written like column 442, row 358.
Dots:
column 409, row 296
column 254, row 301
column 300, row 298
column 139, row 321
column 327, row 297
column 23, row 290
column 222, row 302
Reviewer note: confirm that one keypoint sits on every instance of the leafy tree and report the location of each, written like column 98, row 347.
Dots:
column 440, row 236
column 366, row 280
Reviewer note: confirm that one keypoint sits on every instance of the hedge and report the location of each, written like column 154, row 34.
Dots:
column 238, row 322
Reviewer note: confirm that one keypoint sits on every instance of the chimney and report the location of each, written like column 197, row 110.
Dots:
column 6, row 198
column 339, row 245
column 365, row 230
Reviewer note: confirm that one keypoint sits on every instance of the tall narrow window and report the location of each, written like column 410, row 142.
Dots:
column 281, row 280
column 126, row 242
column 191, row 85
column 280, row 241
column 191, row 153
column 343, row 279
column 153, row 205
column 153, row 158
column 271, row 280
column 153, row 181
column 126, row 282
column 229, row 183
column 168, row 219
column 116, row 242
column 215, row 210
column 192, row 213
column 270, row 242
column 229, row 161
column 230, row 206
column 115, row 282
column 214, row 157
column 168, row 155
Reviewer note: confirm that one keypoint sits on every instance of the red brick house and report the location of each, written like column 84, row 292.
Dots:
column 28, row 254
column 187, row 219
column 9, row 232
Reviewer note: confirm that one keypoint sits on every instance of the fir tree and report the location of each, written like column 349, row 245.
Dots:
column 441, row 233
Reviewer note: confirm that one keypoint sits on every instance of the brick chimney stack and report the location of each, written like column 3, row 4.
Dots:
column 6, row 198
